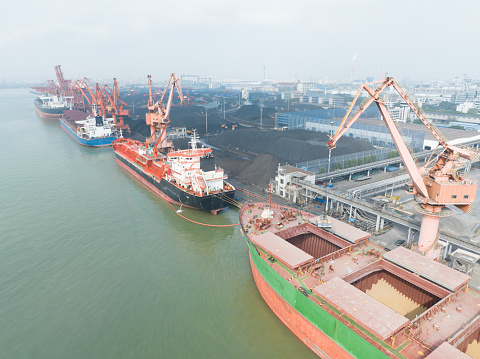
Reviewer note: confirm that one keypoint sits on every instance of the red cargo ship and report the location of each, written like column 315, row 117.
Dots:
column 184, row 177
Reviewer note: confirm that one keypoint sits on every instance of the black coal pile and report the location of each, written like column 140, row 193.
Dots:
column 290, row 146
column 191, row 117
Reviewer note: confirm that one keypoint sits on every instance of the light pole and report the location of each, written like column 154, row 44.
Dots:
column 206, row 121
column 224, row 108
column 328, row 169
column 329, row 150
column 261, row 113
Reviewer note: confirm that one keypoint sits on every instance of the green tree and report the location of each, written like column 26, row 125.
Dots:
column 472, row 111
column 337, row 166
column 348, row 163
column 361, row 161
column 457, row 127
column 392, row 154
column 322, row 170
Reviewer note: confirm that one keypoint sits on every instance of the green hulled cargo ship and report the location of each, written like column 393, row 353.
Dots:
column 346, row 297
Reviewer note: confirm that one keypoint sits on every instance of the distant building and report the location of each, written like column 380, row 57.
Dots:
column 176, row 132
column 245, row 94
column 287, row 95
column 460, row 98
column 284, row 183
column 189, row 80
column 464, row 107
column 400, row 113
column 336, row 101
column 286, row 86
column 368, row 129
column 305, row 87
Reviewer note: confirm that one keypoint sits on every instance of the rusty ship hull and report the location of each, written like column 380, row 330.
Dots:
column 345, row 297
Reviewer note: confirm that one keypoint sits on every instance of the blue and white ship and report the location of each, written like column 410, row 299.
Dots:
column 96, row 131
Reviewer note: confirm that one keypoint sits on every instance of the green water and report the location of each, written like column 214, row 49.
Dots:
column 92, row 265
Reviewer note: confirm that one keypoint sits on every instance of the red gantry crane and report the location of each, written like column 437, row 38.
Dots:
column 69, row 89
column 115, row 106
column 435, row 185
column 158, row 116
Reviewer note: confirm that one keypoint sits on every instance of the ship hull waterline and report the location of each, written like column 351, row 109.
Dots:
column 308, row 333
column 98, row 142
column 325, row 335
column 48, row 115
column 171, row 193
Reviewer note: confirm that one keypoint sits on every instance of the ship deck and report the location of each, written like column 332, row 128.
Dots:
column 155, row 167
column 340, row 273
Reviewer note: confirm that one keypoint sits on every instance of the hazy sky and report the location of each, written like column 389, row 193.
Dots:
column 419, row 40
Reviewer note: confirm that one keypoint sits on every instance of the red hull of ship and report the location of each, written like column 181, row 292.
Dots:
column 309, row 334
column 147, row 185
column 47, row 116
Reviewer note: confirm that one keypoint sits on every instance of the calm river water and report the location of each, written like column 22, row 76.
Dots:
column 92, row 265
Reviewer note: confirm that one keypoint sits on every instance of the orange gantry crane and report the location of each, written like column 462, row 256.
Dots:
column 436, row 184
column 68, row 89
column 115, row 105
column 158, row 116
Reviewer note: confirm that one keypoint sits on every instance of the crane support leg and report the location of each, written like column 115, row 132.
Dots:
column 429, row 236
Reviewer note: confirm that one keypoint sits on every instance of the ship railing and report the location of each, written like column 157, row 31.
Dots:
column 465, row 333
column 320, row 262
column 426, row 315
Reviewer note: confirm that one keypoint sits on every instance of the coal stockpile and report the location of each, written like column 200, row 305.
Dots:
column 257, row 171
column 252, row 156
column 290, row 146
column 251, row 113
column 191, row 117
column 248, row 154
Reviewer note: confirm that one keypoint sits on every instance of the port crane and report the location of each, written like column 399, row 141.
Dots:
column 158, row 116
column 84, row 91
column 436, row 184
column 95, row 98
column 115, row 106
column 68, row 89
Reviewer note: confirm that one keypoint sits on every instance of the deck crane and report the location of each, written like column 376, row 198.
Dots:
column 434, row 185
column 158, row 116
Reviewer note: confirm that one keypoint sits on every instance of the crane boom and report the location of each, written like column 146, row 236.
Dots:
column 158, row 117
column 435, row 187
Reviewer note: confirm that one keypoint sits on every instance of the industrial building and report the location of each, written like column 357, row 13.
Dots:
column 373, row 131
column 370, row 129
column 285, row 182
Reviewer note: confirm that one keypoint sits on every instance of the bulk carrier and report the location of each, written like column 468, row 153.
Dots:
column 51, row 107
column 93, row 131
column 186, row 177
column 346, row 297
